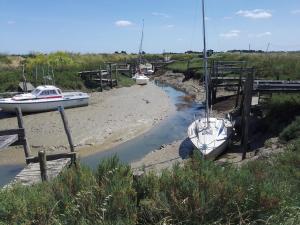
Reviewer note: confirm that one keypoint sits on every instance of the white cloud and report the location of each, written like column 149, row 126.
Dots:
column 227, row 18
column 268, row 33
column 296, row 11
column 255, row 14
column 231, row 34
column 165, row 15
column 11, row 22
column 179, row 39
column 169, row 26
column 264, row 34
column 123, row 23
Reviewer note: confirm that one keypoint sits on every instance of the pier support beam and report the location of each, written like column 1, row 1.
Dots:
column 43, row 165
column 66, row 126
column 23, row 138
column 246, row 113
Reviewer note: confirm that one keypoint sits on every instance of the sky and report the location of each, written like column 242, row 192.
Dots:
column 105, row 26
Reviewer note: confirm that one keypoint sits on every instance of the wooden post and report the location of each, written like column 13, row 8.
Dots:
column 24, row 79
column 43, row 165
column 238, row 90
column 116, row 75
column 36, row 72
column 24, row 138
column 101, row 85
column 110, row 76
column 246, row 113
column 66, row 126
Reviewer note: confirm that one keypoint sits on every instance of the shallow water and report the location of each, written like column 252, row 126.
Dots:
column 171, row 129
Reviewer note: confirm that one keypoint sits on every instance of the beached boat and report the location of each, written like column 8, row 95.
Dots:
column 140, row 77
column 210, row 138
column 147, row 68
column 44, row 98
column 210, row 135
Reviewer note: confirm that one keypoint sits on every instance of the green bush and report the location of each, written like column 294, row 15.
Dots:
column 200, row 192
column 292, row 131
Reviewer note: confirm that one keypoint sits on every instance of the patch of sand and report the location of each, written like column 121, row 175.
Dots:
column 111, row 118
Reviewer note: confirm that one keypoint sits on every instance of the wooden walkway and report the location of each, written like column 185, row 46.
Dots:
column 42, row 167
column 7, row 140
column 31, row 174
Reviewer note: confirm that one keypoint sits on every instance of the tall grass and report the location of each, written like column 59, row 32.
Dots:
column 200, row 192
column 65, row 66
column 268, row 65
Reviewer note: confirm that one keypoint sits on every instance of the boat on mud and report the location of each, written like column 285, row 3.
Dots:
column 209, row 134
column 44, row 98
column 140, row 78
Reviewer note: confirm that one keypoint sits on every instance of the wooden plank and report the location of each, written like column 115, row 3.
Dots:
column 7, row 140
column 31, row 173
column 19, row 132
column 69, row 155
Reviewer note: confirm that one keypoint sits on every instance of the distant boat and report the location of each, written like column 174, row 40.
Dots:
column 44, row 98
column 210, row 135
column 139, row 76
column 146, row 68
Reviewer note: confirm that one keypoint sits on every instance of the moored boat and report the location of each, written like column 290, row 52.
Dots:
column 44, row 98
column 208, row 134
column 141, row 78
column 211, row 139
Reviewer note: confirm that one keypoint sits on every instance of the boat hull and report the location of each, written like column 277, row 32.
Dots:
column 41, row 106
column 142, row 81
column 215, row 146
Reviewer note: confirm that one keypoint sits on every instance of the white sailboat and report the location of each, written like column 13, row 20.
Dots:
column 140, row 77
column 209, row 134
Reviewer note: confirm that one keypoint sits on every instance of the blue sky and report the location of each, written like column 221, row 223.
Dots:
column 171, row 25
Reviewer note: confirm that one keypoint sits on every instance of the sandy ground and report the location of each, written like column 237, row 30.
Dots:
column 179, row 151
column 112, row 117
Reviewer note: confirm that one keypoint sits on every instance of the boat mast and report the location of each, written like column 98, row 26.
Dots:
column 141, row 45
column 205, row 64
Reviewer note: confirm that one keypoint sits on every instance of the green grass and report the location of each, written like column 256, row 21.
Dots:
column 268, row 65
column 261, row 192
column 65, row 66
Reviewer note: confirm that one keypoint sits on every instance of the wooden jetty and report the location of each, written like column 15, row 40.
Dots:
column 101, row 78
column 42, row 167
column 236, row 74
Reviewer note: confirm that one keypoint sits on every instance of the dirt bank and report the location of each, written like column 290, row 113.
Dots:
column 112, row 117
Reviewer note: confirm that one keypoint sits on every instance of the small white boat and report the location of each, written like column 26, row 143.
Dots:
column 146, row 68
column 210, row 135
column 44, row 98
column 211, row 139
column 141, row 78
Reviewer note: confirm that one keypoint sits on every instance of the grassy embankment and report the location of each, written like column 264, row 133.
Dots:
column 200, row 192
column 65, row 67
column 261, row 192
column 269, row 66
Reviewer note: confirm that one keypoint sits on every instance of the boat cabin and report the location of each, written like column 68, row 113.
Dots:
column 46, row 91
column 40, row 92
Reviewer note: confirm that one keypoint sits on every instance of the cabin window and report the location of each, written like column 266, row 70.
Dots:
column 58, row 91
column 53, row 92
column 35, row 91
column 45, row 93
